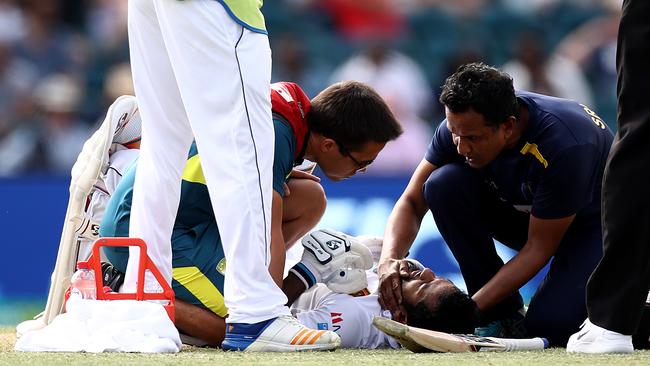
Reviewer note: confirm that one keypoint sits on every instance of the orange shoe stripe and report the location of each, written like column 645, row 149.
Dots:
column 316, row 337
column 307, row 336
column 297, row 336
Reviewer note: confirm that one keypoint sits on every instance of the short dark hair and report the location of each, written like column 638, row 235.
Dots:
column 455, row 313
column 485, row 89
column 352, row 113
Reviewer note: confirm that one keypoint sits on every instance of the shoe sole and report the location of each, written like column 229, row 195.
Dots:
column 581, row 346
column 591, row 348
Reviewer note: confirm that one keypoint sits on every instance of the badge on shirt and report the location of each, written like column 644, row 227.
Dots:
column 221, row 266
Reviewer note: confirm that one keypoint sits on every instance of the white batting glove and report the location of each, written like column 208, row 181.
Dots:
column 374, row 243
column 335, row 259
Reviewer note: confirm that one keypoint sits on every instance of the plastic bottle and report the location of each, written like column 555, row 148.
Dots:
column 82, row 283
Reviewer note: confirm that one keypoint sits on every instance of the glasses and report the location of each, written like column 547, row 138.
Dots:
column 360, row 164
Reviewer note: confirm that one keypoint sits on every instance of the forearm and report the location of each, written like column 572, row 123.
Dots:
column 293, row 287
column 544, row 237
column 405, row 219
column 511, row 277
column 401, row 229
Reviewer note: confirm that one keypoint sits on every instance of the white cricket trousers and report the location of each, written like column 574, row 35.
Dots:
column 200, row 75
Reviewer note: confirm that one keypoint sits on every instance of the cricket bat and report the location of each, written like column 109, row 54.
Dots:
column 423, row 340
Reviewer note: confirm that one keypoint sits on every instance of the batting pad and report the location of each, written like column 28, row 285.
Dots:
column 85, row 171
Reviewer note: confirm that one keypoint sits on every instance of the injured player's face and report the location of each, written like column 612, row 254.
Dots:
column 435, row 303
column 423, row 286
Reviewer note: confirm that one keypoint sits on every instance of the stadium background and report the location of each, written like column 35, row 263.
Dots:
column 63, row 62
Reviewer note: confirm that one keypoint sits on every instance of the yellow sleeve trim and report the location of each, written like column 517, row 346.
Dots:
column 202, row 288
column 247, row 12
column 193, row 171
column 533, row 149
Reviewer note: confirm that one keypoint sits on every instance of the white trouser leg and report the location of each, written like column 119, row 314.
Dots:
column 166, row 138
column 223, row 73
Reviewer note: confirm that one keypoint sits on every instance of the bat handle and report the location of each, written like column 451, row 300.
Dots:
column 529, row 344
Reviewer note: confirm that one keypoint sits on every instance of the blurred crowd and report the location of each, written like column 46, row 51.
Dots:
column 62, row 62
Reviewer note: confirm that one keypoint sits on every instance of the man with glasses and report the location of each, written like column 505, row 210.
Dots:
column 361, row 165
column 342, row 129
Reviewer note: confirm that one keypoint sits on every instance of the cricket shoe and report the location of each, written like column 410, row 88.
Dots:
column 281, row 334
column 594, row 339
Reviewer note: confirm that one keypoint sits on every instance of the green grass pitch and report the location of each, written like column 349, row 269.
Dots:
column 202, row 356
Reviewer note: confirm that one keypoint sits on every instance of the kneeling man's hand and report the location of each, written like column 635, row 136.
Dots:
column 391, row 272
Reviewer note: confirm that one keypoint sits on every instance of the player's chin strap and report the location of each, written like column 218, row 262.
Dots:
column 335, row 259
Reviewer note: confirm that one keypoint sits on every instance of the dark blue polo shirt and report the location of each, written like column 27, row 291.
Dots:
column 556, row 168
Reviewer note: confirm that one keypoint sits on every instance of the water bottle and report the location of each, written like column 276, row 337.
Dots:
column 82, row 283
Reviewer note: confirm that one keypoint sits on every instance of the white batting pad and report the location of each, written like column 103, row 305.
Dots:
column 85, row 171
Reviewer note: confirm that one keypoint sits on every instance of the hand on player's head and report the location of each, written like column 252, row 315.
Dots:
column 391, row 272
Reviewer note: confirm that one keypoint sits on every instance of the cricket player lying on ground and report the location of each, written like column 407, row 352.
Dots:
column 342, row 130
column 318, row 294
column 432, row 303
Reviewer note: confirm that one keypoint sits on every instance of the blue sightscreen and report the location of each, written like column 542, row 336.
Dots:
column 32, row 210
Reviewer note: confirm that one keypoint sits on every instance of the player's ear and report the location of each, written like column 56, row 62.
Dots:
column 508, row 126
column 323, row 144
column 327, row 144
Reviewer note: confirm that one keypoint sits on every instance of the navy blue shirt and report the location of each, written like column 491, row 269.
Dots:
column 555, row 169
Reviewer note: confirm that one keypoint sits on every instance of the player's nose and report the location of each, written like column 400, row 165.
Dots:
column 427, row 275
column 463, row 147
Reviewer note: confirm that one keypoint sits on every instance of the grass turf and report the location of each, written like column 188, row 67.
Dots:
column 202, row 356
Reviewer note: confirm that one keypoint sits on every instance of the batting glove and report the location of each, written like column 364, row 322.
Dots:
column 335, row 259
